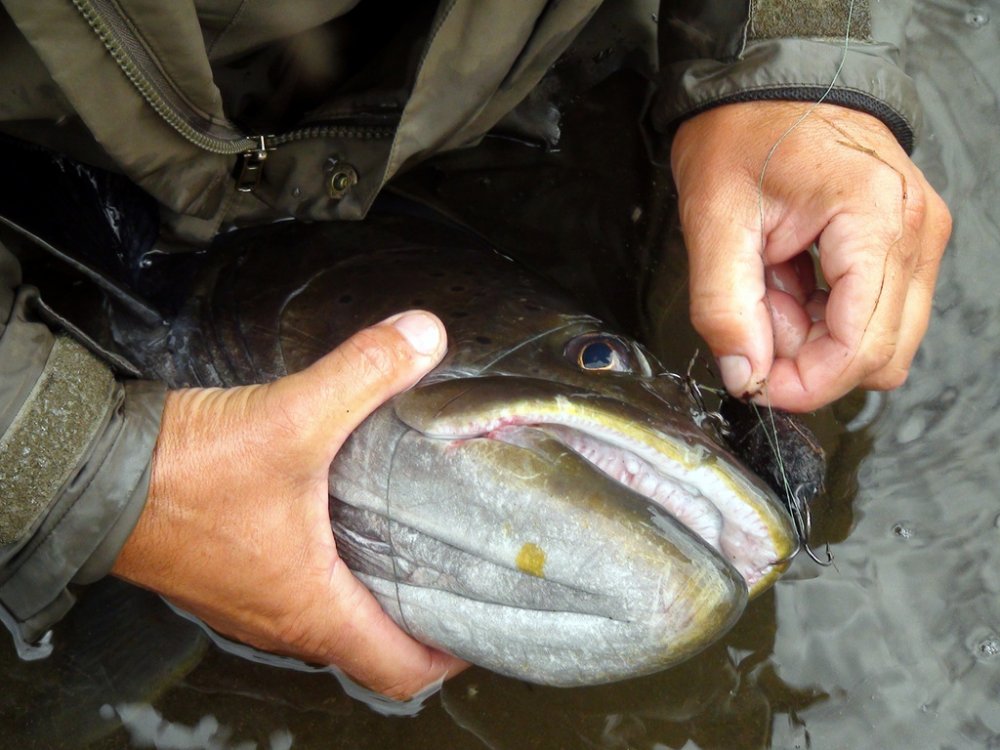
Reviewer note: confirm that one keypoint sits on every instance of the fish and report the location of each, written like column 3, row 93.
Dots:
column 546, row 503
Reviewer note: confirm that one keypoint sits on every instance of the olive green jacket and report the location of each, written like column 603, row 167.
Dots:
column 233, row 112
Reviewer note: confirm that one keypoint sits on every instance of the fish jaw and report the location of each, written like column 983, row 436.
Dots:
column 532, row 529
column 665, row 457
column 524, row 558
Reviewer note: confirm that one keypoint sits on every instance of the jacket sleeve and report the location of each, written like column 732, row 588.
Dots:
column 75, row 453
column 722, row 52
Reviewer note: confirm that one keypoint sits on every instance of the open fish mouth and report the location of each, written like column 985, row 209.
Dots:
column 598, row 528
column 705, row 491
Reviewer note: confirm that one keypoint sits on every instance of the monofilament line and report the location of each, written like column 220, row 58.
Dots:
column 802, row 523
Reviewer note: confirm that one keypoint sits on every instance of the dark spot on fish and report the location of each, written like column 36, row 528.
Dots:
column 532, row 306
column 345, row 299
column 436, row 273
column 903, row 530
column 458, row 288
column 484, row 340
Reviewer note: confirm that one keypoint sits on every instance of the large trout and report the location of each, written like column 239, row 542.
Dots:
column 544, row 503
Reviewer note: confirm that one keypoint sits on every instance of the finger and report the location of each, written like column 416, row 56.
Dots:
column 868, row 258
column 918, row 306
column 728, row 307
column 795, row 277
column 328, row 400
column 816, row 305
column 868, row 253
column 789, row 322
column 916, row 314
column 371, row 648
column 790, row 287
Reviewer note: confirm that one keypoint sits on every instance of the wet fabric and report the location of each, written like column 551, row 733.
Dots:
column 68, row 404
column 429, row 81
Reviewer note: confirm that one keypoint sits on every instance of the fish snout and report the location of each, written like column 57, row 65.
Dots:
column 521, row 556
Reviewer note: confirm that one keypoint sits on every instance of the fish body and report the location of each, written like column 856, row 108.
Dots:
column 544, row 503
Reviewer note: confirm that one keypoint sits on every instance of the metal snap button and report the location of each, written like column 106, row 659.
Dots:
column 341, row 176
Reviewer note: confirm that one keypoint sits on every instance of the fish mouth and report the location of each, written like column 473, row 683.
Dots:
column 568, row 536
column 696, row 483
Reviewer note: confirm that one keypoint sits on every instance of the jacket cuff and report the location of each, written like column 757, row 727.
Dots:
column 77, row 537
column 794, row 70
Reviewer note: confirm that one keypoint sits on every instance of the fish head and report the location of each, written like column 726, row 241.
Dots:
column 604, row 397
column 554, row 510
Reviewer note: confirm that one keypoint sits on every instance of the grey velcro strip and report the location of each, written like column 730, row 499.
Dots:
column 778, row 19
column 51, row 434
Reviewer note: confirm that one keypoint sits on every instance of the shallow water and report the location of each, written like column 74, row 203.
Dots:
column 896, row 646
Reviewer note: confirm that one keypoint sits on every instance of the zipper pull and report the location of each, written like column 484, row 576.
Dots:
column 250, row 166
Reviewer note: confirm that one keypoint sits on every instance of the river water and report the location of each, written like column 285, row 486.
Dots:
column 895, row 646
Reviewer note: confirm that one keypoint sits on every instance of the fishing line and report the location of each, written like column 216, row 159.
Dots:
column 388, row 538
column 798, row 506
column 799, row 121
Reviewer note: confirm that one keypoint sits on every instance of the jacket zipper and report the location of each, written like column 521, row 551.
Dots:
column 114, row 30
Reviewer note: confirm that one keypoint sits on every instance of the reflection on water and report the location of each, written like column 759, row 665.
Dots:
column 897, row 646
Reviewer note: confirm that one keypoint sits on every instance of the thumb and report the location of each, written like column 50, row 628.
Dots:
column 728, row 293
column 325, row 402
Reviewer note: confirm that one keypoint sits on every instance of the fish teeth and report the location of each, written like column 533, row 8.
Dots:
column 648, row 485
column 701, row 501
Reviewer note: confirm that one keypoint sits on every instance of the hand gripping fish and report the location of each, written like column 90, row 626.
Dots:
column 544, row 503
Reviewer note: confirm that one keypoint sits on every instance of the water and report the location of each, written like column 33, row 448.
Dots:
column 896, row 646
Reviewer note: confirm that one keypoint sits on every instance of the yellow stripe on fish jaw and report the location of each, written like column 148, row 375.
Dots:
column 641, row 439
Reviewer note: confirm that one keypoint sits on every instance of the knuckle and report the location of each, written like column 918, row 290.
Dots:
column 941, row 224
column 400, row 691
column 877, row 356
column 370, row 356
column 901, row 197
column 915, row 204
column 712, row 317
column 887, row 379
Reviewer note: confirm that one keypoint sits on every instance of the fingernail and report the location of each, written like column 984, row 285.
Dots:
column 735, row 370
column 420, row 330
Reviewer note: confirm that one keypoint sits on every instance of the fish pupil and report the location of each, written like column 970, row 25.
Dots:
column 597, row 355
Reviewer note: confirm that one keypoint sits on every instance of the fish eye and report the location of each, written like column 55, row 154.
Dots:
column 599, row 352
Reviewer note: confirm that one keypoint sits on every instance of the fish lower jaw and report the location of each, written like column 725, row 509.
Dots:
column 700, row 500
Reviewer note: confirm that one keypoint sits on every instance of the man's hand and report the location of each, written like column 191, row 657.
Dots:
column 236, row 529
column 838, row 179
